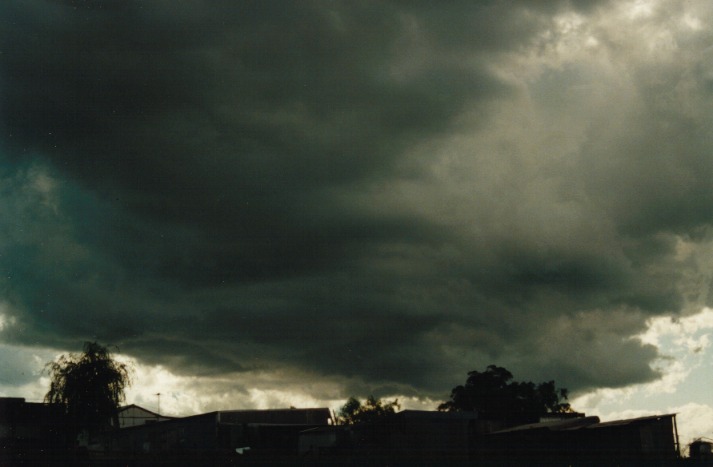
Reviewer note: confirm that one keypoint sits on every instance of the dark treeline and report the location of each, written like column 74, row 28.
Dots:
column 492, row 394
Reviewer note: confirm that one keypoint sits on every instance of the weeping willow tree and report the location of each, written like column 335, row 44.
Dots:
column 89, row 386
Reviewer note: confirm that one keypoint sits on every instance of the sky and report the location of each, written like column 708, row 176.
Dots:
column 273, row 203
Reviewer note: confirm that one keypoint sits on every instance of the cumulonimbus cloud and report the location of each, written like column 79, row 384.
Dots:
column 391, row 193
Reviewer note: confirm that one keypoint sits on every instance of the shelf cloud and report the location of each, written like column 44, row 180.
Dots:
column 387, row 194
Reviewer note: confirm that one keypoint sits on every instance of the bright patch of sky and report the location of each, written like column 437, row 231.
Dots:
column 686, row 367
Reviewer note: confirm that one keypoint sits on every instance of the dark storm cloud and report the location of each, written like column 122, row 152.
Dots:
column 234, row 118
column 339, row 187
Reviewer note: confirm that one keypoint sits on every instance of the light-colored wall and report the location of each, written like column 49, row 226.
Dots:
column 133, row 416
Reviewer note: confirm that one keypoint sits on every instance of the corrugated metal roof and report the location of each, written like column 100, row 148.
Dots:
column 630, row 421
column 433, row 415
column 556, row 425
column 315, row 416
column 582, row 423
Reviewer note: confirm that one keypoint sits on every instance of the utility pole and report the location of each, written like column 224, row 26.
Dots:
column 158, row 411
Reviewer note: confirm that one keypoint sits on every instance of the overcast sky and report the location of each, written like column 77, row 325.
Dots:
column 308, row 200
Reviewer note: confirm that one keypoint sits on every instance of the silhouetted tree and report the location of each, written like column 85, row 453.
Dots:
column 89, row 386
column 353, row 411
column 493, row 393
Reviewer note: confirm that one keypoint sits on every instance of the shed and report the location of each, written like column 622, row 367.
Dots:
column 585, row 441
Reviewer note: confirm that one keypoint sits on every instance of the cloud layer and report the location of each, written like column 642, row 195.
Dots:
column 382, row 194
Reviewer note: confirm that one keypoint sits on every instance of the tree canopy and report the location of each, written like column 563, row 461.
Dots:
column 493, row 393
column 353, row 411
column 90, row 386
